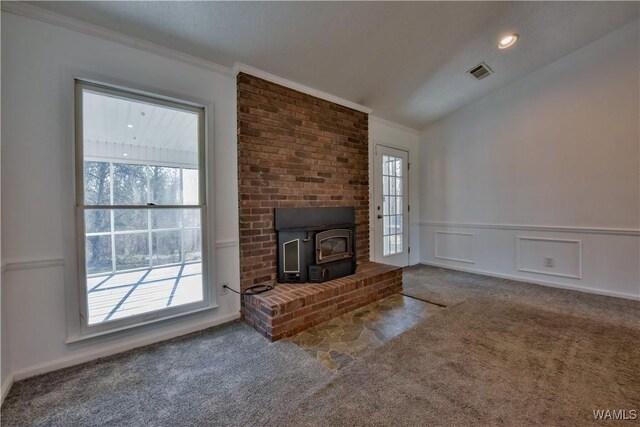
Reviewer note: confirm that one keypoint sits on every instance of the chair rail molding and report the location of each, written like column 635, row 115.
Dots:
column 220, row 244
column 527, row 227
column 47, row 262
column 30, row 264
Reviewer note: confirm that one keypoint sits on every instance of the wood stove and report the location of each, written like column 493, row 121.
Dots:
column 315, row 244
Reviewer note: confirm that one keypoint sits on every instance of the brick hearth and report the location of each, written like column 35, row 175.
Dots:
column 292, row 308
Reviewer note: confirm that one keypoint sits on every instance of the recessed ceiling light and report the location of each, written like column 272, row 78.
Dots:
column 125, row 154
column 508, row 40
column 129, row 126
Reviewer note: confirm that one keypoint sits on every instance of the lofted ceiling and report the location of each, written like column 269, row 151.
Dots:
column 405, row 60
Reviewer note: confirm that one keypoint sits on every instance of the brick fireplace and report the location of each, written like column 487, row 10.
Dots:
column 298, row 151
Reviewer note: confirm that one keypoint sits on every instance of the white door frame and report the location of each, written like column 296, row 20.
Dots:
column 404, row 258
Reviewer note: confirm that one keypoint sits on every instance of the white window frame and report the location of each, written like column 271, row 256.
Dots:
column 209, row 295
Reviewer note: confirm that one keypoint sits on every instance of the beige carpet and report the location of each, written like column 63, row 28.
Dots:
column 501, row 353
column 449, row 287
column 486, row 362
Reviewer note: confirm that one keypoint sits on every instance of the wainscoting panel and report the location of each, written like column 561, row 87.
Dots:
column 602, row 261
column 454, row 246
column 554, row 257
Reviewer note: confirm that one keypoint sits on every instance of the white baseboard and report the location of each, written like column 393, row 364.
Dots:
column 6, row 386
column 535, row 281
column 76, row 359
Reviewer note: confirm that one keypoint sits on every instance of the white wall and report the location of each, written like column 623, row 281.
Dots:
column 5, row 367
column 39, row 63
column 396, row 136
column 558, row 148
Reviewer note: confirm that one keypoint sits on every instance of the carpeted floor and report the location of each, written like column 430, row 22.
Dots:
column 485, row 362
column 228, row 375
column 449, row 287
column 501, row 353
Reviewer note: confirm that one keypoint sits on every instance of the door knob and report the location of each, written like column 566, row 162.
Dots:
column 379, row 216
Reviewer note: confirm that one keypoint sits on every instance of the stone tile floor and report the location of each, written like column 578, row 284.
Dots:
column 340, row 341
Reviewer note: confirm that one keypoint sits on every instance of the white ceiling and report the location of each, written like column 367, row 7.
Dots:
column 406, row 60
column 112, row 120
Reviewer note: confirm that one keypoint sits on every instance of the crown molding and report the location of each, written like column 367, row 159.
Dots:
column 395, row 125
column 247, row 69
column 43, row 15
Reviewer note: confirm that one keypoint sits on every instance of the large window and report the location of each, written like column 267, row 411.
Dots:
column 141, row 206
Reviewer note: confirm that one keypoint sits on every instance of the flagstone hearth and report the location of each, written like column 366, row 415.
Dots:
column 340, row 341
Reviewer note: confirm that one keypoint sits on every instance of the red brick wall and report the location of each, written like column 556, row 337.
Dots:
column 295, row 150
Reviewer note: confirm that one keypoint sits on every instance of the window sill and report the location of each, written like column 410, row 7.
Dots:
column 91, row 335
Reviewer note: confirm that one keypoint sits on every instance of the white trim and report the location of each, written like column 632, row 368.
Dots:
column 76, row 359
column 553, row 228
column 30, row 264
column 375, row 196
column 473, row 247
column 220, row 244
column 37, row 263
column 535, row 281
column 243, row 68
column 395, row 125
column 549, row 273
column 43, row 15
column 147, row 319
column 6, row 386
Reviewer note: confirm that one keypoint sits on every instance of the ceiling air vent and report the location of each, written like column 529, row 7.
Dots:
column 480, row 71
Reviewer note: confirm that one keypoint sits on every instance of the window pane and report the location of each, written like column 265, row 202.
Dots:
column 191, row 218
column 165, row 185
column 98, row 255
column 132, row 251
column 129, row 184
column 130, row 219
column 190, row 187
column 192, row 245
column 97, row 183
column 392, row 244
column 166, row 218
column 166, row 247
column 97, row 221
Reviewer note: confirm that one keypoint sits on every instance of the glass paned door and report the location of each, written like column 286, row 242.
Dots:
column 141, row 204
column 392, row 205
